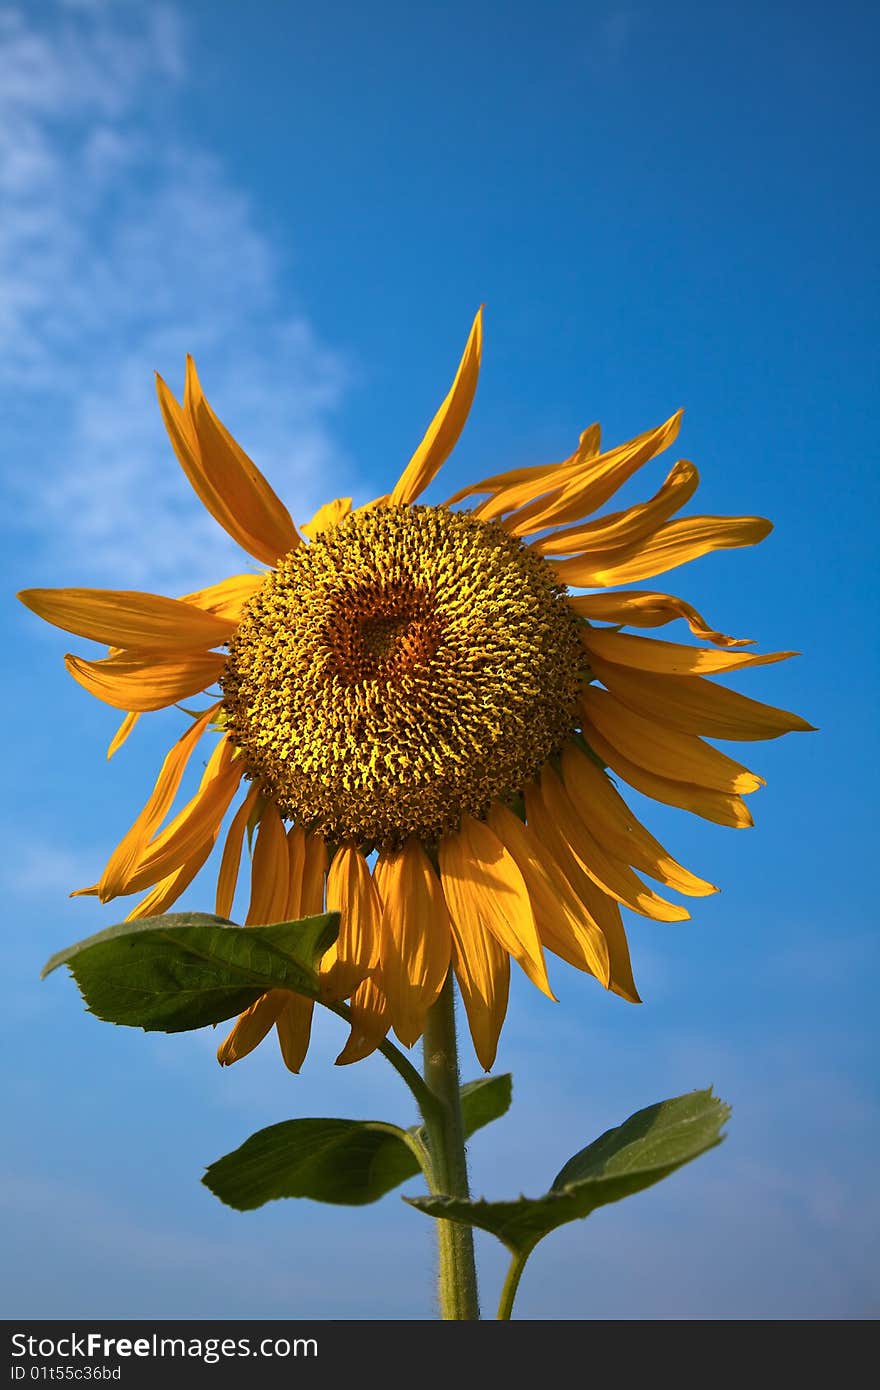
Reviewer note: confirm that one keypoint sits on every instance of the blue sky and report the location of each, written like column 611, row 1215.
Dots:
column 660, row 206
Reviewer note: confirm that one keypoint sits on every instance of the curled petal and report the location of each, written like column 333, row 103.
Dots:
column 587, row 485
column 641, row 608
column 139, row 682
column 626, row 528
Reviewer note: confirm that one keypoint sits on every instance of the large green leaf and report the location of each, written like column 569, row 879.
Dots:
column 646, row 1148
column 341, row 1161
column 188, row 969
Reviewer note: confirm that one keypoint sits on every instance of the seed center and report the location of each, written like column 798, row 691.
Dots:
column 410, row 666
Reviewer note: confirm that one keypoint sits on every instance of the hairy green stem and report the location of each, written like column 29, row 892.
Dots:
column 427, row 1102
column 511, row 1283
column 457, row 1279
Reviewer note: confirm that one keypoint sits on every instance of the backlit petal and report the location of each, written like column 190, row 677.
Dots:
column 228, row 484
column 329, row 515
column 482, row 884
column 720, row 807
column 415, row 937
column 672, row 545
column 142, row 682
column 606, row 872
column 626, row 528
column 604, row 811
column 443, row 432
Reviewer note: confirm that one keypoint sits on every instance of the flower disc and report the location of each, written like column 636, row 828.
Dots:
column 410, row 666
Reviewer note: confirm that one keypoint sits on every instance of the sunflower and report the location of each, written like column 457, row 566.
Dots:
column 416, row 687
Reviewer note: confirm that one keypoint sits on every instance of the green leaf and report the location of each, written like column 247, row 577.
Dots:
column 341, row 1161
column 646, row 1148
column 189, row 969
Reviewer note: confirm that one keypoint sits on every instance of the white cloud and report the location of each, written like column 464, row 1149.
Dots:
column 123, row 245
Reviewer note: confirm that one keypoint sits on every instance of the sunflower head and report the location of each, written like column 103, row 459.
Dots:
column 409, row 667
column 421, row 681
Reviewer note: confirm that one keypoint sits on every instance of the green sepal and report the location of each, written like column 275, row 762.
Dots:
column 646, row 1148
column 348, row 1162
column 186, row 970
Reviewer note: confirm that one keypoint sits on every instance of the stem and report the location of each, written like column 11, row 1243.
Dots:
column 457, row 1281
column 511, row 1283
column 431, row 1109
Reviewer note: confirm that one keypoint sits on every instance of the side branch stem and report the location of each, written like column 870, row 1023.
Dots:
column 457, row 1271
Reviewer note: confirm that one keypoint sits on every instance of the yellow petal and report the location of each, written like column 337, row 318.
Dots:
column 610, row 874
column 694, row 705
column 670, row 546
column 583, row 488
column 629, row 527
column 606, row 912
column 483, row 885
column 520, row 485
column 227, row 598
column 669, row 658
column 563, row 925
column 228, row 484
column 594, row 901
column 613, row 824
column 443, row 432
column 329, row 515
column 641, row 608
column 482, row 968
column 168, row 890
column 370, row 1021
column 251, row 1027
column 138, row 683
column 230, row 862
column 314, row 873
column 131, row 846
column 294, row 1024
column 269, row 871
column 720, row 807
column 664, row 751
column 199, row 820
column 296, row 862
column 415, row 936
column 122, row 734
column 350, row 892
column 127, row 618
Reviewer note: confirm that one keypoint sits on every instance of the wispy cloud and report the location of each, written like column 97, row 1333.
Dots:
column 123, row 245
